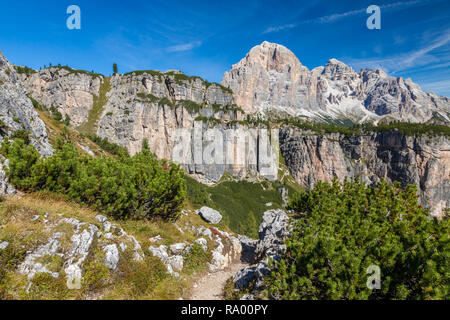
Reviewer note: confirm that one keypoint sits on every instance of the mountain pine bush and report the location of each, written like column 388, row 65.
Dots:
column 129, row 187
column 345, row 228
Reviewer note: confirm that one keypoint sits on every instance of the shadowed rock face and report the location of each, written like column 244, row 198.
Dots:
column 270, row 79
column 389, row 155
column 17, row 111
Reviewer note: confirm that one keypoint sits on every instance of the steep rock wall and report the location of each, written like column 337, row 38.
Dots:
column 389, row 155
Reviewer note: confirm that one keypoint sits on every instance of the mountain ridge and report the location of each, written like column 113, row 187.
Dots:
column 271, row 78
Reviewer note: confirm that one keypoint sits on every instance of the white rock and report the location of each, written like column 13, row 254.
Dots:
column 177, row 248
column 101, row 218
column 4, row 245
column 210, row 215
column 160, row 252
column 155, row 239
column 111, row 256
column 30, row 267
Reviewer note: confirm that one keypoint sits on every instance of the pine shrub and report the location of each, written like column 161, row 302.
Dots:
column 345, row 228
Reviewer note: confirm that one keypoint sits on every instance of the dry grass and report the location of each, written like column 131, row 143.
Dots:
column 132, row 280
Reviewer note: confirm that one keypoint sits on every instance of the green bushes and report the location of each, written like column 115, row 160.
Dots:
column 56, row 114
column 24, row 70
column 110, row 147
column 130, row 187
column 344, row 229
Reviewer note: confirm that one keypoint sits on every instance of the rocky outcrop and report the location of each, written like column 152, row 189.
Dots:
column 70, row 91
column 388, row 155
column 271, row 80
column 73, row 247
column 273, row 231
column 227, row 249
column 17, row 111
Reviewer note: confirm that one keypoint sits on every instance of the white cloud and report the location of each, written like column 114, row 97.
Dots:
column 184, row 47
column 442, row 86
column 403, row 61
column 338, row 16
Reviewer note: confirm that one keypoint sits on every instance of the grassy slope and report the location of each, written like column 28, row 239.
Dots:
column 241, row 203
column 90, row 127
column 136, row 280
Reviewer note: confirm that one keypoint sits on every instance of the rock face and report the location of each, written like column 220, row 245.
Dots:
column 273, row 231
column 210, row 215
column 388, row 155
column 70, row 91
column 17, row 113
column 16, row 109
column 271, row 80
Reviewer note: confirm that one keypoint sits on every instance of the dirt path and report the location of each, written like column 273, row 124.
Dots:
column 211, row 286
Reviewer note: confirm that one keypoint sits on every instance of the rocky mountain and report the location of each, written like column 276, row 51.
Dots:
column 270, row 81
column 164, row 107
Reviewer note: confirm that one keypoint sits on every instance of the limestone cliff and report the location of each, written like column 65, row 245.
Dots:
column 70, row 91
column 389, row 155
column 16, row 109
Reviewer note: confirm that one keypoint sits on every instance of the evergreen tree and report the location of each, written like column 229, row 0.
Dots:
column 115, row 69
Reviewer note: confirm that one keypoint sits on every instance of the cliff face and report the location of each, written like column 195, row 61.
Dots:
column 17, row 111
column 270, row 79
column 152, row 106
column 424, row 161
column 70, row 91
column 163, row 109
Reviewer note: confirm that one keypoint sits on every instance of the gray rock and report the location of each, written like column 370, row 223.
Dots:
column 155, row 239
column 111, row 256
column 177, row 248
column 273, row 230
column 160, row 252
column 176, row 262
column 3, row 245
column 30, row 266
column 210, row 215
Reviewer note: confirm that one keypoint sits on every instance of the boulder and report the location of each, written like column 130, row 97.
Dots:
column 177, row 248
column 210, row 215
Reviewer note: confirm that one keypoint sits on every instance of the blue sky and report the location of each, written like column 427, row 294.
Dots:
column 206, row 38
